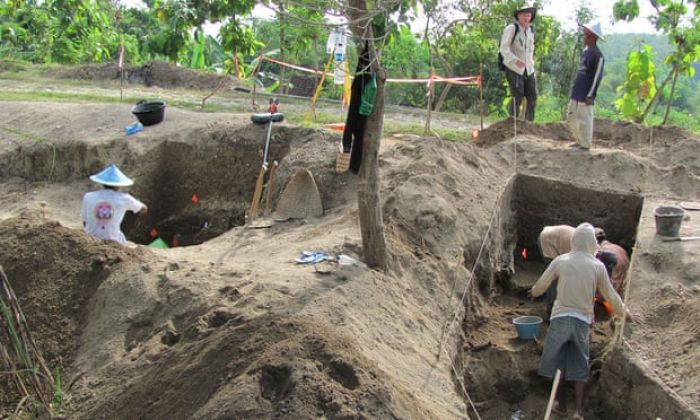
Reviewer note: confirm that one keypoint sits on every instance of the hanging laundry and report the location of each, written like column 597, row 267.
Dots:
column 356, row 122
column 369, row 93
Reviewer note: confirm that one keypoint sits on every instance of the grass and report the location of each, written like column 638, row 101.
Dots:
column 57, row 389
column 449, row 134
column 39, row 85
column 23, row 135
column 390, row 126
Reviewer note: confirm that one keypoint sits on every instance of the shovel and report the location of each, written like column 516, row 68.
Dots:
column 681, row 239
column 269, row 118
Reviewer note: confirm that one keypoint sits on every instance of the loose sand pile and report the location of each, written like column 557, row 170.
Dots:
column 230, row 327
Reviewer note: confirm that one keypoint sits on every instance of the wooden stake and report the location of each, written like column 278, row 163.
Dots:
column 252, row 77
column 481, row 94
column 552, row 395
column 430, row 102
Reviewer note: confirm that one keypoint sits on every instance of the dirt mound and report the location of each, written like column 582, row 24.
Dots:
column 55, row 272
column 606, row 133
column 155, row 73
column 504, row 130
column 233, row 367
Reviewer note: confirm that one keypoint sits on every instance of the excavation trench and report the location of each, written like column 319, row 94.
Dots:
column 197, row 184
column 198, row 190
column 500, row 369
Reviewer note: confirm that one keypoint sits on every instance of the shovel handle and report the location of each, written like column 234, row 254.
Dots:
column 552, row 395
column 681, row 238
column 254, row 204
column 270, row 186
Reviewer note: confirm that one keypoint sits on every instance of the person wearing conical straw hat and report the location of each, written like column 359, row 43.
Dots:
column 583, row 93
column 103, row 210
column 517, row 47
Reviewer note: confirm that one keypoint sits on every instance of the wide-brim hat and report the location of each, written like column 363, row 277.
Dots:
column 113, row 177
column 526, row 8
column 595, row 28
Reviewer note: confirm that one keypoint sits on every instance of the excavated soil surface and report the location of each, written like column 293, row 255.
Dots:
column 227, row 326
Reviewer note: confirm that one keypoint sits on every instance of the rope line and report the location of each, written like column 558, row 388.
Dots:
column 455, row 317
column 461, row 80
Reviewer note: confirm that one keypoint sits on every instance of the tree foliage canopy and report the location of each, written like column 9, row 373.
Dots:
column 456, row 38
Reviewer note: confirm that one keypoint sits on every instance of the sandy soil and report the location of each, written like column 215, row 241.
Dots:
column 230, row 327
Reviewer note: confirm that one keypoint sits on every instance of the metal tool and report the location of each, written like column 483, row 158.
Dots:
column 681, row 239
column 272, row 116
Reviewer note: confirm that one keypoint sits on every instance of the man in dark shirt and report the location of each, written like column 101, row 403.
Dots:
column 588, row 77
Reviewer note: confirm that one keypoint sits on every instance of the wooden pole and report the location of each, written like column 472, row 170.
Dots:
column 121, row 71
column 255, row 71
column 552, row 394
column 431, row 87
column 481, row 94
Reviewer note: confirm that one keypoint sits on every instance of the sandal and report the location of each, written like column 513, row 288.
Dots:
column 577, row 416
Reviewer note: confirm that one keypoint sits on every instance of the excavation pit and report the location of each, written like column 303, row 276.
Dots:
column 198, row 190
column 500, row 369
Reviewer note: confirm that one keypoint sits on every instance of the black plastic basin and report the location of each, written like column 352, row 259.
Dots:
column 149, row 113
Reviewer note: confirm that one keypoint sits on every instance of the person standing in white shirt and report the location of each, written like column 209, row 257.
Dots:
column 517, row 47
column 103, row 210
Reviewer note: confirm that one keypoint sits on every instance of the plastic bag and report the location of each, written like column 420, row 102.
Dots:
column 369, row 93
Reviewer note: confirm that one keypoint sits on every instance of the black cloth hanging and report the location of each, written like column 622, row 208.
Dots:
column 354, row 132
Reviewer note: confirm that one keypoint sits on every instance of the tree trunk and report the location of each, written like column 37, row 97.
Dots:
column 659, row 90
column 450, row 73
column 368, row 195
column 670, row 97
column 283, row 55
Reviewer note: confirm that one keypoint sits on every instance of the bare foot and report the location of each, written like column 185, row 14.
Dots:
column 559, row 411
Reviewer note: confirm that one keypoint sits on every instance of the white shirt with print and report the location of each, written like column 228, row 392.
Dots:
column 104, row 210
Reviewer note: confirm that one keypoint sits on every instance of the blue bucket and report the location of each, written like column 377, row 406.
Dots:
column 527, row 326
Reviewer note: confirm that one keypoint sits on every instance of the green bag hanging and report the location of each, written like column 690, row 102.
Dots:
column 369, row 93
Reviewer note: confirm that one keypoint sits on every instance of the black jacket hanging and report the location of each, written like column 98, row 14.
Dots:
column 354, row 132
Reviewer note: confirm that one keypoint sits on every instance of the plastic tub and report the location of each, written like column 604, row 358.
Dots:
column 149, row 113
column 527, row 326
column 668, row 220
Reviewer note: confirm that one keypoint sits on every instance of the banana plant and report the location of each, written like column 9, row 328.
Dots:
column 640, row 84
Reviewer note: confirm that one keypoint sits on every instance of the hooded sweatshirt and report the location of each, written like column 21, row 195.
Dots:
column 579, row 274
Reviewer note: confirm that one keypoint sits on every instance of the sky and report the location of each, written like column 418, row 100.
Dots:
column 562, row 10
